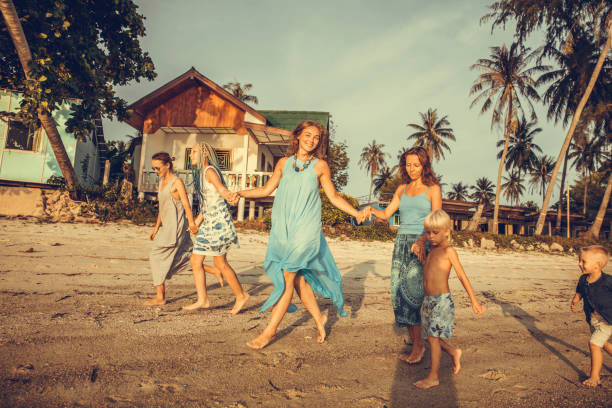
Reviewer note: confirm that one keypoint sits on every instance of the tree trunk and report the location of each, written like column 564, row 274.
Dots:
column 501, row 167
column 572, row 128
column 475, row 221
column 584, row 194
column 593, row 232
column 25, row 57
column 371, row 184
column 558, row 226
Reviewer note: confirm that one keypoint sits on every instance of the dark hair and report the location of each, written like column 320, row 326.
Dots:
column 429, row 177
column 321, row 149
column 163, row 157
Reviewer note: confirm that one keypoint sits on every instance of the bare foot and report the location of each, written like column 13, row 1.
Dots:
column 198, row 305
column 216, row 273
column 426, row 383
column 240, row 301
column 591, row 382
column 415, row 356
column 457, row 361
column 155, row 302
column 260, row 341
column 321, row 329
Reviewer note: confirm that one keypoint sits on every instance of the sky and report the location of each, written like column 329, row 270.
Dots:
column 373, row 65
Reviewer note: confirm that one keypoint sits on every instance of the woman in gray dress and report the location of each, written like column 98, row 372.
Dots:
column 171, row 241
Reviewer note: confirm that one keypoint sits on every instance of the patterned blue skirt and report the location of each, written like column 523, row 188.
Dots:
column 407, row 290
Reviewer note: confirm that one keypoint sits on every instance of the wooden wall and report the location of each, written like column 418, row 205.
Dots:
column 197, row 106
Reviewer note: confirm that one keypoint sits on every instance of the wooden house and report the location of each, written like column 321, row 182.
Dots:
column 193, row 109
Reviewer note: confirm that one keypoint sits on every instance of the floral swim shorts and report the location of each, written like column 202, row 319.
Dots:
column 438, row 315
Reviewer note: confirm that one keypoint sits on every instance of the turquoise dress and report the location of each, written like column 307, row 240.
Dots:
column 407, row 289
column 296, row 242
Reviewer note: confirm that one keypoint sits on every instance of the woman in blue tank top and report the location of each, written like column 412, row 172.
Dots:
column 415, row 198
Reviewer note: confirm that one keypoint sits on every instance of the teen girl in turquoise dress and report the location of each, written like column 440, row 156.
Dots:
column 417, row 196
column 298, row 256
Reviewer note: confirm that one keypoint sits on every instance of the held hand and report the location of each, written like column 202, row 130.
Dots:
column 419, row 250
column 574, row 309
column 193, row 229
column 478, row 308
column 368, row 212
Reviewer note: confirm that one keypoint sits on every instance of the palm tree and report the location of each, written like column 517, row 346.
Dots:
column 513, row 187
column 587, row 154
column 505, row 77
column 482, row 192
column 240, row 91
column 372, row 159
column 22, row 47
column 521, row 148
column 459, row 191
column 606, row 169
column 576, row 113
column 541, row 174
column 431, row 133
column 385, row 174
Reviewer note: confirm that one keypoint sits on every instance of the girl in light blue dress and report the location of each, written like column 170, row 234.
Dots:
column 298, row 256
column 214, row 229
column 417, row 196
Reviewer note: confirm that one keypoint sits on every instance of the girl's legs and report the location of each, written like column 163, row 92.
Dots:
column 305, row 292
column 418, row 348
column 278, row 312
column 232, row 280
column 160, row 296
column 214, row 271
column 199, row 278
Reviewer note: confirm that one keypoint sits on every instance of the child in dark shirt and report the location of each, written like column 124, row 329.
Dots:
column 595, row 289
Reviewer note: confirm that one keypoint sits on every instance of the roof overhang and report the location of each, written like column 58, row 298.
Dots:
column 198, row 130
column 275, row 139
column 139, row 109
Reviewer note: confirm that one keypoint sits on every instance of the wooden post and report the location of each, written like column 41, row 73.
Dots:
column 260, row 212
column 251, row 210
column 106, row 172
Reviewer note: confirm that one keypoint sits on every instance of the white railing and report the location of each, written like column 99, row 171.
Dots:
column 233, row 180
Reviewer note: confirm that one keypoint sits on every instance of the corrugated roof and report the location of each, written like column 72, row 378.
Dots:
column 290, row 119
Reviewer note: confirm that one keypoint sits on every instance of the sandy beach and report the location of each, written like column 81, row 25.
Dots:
column 73, row 331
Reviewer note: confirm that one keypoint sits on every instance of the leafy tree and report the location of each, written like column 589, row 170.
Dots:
column 541, row 174
column 605, row 173
column 431, row 133
column 71, row 51
column 338, row 159
column 562, row 22
column 505, row 79
column 513, row 187
column 482, row 192
column 587, row 154
column 388, row 189
column 372, row 159
column 521, row 147
column 240, row 91
column 459, row 191
column 383, row 177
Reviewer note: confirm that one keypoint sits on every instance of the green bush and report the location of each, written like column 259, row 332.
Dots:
column 332, row 216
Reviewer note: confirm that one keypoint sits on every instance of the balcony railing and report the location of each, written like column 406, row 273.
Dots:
column 233, row 180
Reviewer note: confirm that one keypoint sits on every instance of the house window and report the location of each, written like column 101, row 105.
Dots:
column 223, row 157
column 396, row 219
column 20, row 137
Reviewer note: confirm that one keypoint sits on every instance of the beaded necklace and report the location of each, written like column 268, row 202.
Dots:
column 304, row 166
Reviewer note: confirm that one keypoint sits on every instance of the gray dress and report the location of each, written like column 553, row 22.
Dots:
column 172, row 245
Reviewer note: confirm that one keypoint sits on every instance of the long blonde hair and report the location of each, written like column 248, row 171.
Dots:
column 206, row 153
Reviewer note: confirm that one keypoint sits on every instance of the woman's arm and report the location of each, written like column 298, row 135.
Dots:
column 156, row 228
column 180, row 189
column 330, row 191
column 213, row 178
column 392, row 207
column 270, row 185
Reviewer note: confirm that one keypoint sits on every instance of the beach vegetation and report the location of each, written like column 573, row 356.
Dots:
column 482, row 193
column 372, row 159
column 432, row 133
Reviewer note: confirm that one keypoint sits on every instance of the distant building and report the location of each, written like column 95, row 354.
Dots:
column 193, row 109
column 27, row 157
